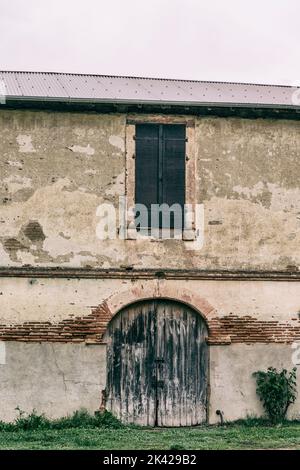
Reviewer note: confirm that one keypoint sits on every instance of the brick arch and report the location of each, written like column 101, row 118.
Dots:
column 123, row 299
column 149, row 291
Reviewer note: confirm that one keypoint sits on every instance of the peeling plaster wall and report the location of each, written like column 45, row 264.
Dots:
column 53, row 300
column 58, row 378
column 55, row 379
column 56, row 168
column 232, row 384
column 248, row 173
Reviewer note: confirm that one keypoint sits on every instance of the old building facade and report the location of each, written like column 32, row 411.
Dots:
column 213, row 306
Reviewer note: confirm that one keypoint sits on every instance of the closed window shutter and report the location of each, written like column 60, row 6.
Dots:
column 146, row 165
column 160, row 166
column 173, row 164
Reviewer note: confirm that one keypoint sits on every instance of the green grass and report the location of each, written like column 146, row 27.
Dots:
column 234, row 436
column 103, row 431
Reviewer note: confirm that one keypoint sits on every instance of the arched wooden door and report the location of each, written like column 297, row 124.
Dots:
column 157, row 365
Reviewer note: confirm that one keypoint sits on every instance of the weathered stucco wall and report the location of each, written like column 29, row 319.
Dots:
column 233, row 387
column 249, row 174
column 55, row 379
column 53, row 300
column 55, row 361
column 56, row 168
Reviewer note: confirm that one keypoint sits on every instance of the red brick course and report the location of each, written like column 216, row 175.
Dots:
column 91, row 329
column 248, row 329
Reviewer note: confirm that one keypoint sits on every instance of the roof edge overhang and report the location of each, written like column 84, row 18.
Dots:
column 165, row 107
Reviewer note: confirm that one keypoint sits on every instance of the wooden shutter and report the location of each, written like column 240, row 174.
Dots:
column 173, row 167
column 146, row 165
column 160, row 165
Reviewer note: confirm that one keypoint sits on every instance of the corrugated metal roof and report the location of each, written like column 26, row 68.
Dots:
column 46, row 86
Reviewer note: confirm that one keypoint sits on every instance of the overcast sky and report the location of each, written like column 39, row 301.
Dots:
column 256, row 41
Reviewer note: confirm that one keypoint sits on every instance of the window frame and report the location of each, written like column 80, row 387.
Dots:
column 188, row 233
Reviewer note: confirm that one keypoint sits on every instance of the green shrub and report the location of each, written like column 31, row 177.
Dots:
column 30, row 422
column 250, row 421
column 6, row 426
column 107, row 420
column 79, row 419
column 82, row 418
column 276, row 390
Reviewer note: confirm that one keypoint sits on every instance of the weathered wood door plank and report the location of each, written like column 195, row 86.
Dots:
column 157, row 362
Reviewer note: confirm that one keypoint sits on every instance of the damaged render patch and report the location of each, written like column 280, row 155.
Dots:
column 250, row 193
column 286, row 200
column 35, row 236
column 4, row 258
column 17, row 164
column 87, row 150
column 272, row 196
column 117, row 141
column 25, row 144
column 15, row 183
column 117, row 187
column 34, row 231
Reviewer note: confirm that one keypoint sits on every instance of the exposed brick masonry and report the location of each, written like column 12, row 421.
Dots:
column 247, row 329
column 91, row 328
